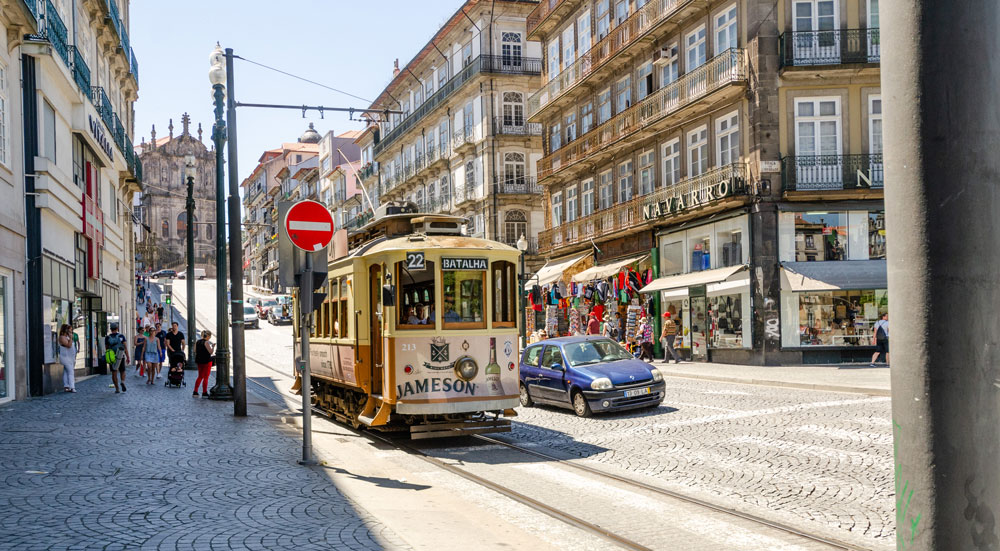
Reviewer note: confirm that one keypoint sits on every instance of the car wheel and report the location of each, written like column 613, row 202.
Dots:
column 524, row 397
column 580, row 405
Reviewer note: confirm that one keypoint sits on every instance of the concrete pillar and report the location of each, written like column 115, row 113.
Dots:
column 942, row 117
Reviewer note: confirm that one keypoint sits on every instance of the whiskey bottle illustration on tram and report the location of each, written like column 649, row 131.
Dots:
column 418, row 331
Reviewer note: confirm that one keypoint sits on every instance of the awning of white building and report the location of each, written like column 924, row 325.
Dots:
column 553, row 269
column 607, row 270
column 831, row 276
column 683, row 281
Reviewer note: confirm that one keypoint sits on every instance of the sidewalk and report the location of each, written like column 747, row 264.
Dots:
column 154, row 468
column 855, row 378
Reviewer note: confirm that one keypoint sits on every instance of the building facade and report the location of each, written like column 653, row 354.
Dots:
column 728, row 153
column 463, row 145
column 163, row 205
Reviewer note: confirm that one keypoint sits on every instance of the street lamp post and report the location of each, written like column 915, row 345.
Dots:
column 189, row 173
column 235, row 252
column 217, row 76
column 522, row 245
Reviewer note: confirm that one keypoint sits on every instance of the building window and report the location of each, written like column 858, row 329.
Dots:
column 695, row 48
column 603, row 105
column 467, row 54
column 646, row 171
column 515, row 225
column 49, row 130
column 443, row 136
column 671, row 152
column 555, row 137
column 668, row 68
column 621, row 12
column 586, row 117
column 603, row 18
column 725, row 30
column 587, row 203
column 606, row 190
column 583, row 32
column 510, row 48
column 513, row 109
column 469, row 120
column 557, row 212
column 623, row 94
column 571, row 203
column 625, row 182
column 817, row 128
column 553, row 58
column 443, row 74
column 513, row 168
column 4, row 134
column 570, row 126
column 645, row 79
column 182, row 225
column 165, row 228
column 698, row 151
column 727, row 137
column 875, row 125
column 569, row 46
column 821, row 236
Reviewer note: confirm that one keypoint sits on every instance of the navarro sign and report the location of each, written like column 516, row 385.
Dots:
column 731, row 185
column 97, row 129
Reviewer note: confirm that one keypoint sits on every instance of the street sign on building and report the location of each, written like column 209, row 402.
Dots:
column 309, row 225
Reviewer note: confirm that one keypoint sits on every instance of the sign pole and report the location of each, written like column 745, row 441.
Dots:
column 305, row 322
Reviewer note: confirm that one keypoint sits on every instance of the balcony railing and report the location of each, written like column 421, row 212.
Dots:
column 488, row 64
column 55, row 32
column 618, row 39
column 462, row 137
column 524, row 185
column 134, row 65
column 541, row 11
column 81, row 73
column 835, row 47
column 532, row 244
column 832, row 172
column 367, row 171
column 724, row 69
column 32, row 6
column 515, row 127
column 636, row 212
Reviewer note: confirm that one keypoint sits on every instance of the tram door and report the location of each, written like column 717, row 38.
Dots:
column 375, row 330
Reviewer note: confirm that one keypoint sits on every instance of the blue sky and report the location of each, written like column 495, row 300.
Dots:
column 346, row 44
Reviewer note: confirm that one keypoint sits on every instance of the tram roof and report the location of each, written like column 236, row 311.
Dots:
column 431, row 241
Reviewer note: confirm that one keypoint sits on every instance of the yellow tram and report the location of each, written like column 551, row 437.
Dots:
column 419, row 328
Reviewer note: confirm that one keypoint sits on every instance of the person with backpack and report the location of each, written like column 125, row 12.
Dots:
column 116, row 354
column 203, row 357
column 881, row 339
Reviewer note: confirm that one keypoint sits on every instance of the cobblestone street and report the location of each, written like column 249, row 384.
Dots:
column 154, row 468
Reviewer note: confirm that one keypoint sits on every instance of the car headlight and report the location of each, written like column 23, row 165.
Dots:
column 466, row 368
column 657, row 376
column 603, row 383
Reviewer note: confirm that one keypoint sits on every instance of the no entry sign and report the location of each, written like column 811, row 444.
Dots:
column 309, row 225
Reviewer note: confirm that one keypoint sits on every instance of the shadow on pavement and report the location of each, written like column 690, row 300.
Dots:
column 380, row 481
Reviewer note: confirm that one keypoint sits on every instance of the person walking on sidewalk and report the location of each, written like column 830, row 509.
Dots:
column 175, row 341
column 645, row 336
column 116, row 353
column 203, row 357
column 159, row 312
column 881, row 339
column 140, row 352
column 161, row 336
column 593, row 326
column 667, row 337
column 151, row 355
column 67, row 357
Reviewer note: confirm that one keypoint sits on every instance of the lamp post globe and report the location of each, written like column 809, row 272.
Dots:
column 522, row 243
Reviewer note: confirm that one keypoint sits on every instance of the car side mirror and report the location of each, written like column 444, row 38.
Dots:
column 558, row 367
column 388, row 295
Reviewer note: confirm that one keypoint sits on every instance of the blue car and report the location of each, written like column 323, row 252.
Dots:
column 587, row 374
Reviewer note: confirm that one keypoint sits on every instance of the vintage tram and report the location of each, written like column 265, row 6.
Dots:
column 419, row 328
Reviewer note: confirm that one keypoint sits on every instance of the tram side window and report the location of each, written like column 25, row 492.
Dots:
column 504, row 294
column 343, row 318
column 332, row 307
column 415, row 303
column 464, row 299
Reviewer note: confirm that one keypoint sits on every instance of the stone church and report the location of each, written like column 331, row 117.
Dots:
column 163, row 244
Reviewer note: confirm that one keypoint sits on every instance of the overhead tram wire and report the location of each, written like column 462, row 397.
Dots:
column 286, row 73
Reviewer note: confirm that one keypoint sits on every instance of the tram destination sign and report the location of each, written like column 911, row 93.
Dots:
column 464, row 264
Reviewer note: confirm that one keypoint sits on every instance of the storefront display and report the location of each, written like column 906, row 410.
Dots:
column 5, row 369
column 832, row 318
column 726, row 313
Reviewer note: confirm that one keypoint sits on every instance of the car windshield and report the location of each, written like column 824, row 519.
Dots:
column 249, row 310
column 268, row 303
column 593, row 352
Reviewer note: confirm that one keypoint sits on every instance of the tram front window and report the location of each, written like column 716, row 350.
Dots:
column 464, row 299
column 416, row 296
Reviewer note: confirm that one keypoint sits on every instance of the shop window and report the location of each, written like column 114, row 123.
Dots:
column 730, row 245
column 833, row 318
column 415, row 303
column 876, row 235
column 504, row 294
column 672, row 258
column 726, row 329
column 701, row 248
column 820, row 236
column 464, row 299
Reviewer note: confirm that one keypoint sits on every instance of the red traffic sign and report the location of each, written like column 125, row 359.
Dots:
column 309, row 225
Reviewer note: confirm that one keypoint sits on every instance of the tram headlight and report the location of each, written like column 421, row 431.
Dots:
column 466, row 368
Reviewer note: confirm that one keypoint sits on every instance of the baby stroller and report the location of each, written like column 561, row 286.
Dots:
column 175, row 374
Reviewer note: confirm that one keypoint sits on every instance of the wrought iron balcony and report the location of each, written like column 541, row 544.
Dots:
column 119, row 133
column 620, row 37
column 33, row 7
column 541, row 11
column 727, row 68
column 832, row 172
column 515, row 127
column 834, row 47
column 635, row 213
column 524, row 185
column 55, row 32
column 134, row 65
column 461, row 138
column 367, row 171
column 81, row 73
column 511, row 65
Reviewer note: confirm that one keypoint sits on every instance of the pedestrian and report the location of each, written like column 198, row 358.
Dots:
column 593, row 326
column 881, row 339
column 645, row 335
column 159, row 313
column 667, row 337
column 116, row 354
column 204, row 351
column 161, row 336
column 67, row 357
column 140, row 352
column 151, row 356
column 175, row 342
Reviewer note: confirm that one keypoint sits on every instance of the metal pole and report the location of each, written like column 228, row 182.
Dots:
column 222, row 389
column 191, row 315
column 235, row 252
column 941, row 118
column 520, row 302
column 305, row 319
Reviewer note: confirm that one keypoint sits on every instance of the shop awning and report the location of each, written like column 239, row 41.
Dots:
column 684, row 281
column 831, row 276
column 607, row 270
column 553, row 269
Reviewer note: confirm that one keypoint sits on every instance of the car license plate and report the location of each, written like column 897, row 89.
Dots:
column 637, row 392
